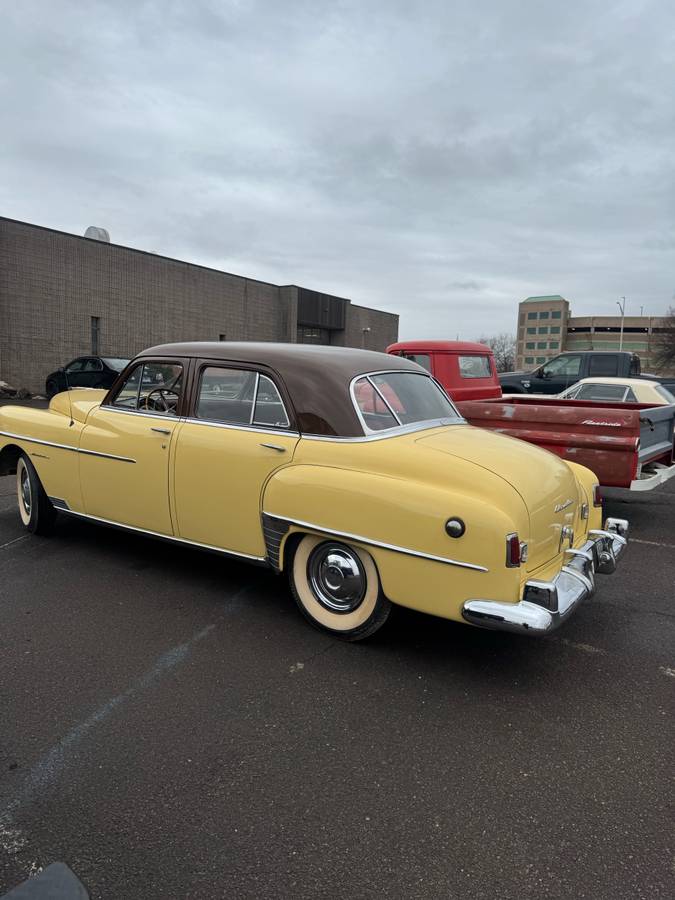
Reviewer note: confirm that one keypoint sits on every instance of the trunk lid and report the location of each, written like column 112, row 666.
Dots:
column 546, row 484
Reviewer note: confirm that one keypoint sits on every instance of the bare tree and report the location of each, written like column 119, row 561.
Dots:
column 504, row 348
column 664, row 356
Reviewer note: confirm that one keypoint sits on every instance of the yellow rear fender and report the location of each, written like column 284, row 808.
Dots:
column 402, row 524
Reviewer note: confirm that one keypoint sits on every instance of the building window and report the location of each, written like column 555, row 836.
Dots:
column 554, row 345
column 541, row 359
column 529, row 360
column 541, row 345
column 544, row 315
column 529, row 345
column 544, row 330
column 222, row 336
column 555, row 329
column 556, row 314
column 531, row 330
column 531, row 315
column 95, row 334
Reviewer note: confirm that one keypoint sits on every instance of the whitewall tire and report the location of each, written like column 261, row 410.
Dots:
column 36, row 512
column 337, row 588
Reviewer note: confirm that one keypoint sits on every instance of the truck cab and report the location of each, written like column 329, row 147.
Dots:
column 566, row 369
column 466, row 370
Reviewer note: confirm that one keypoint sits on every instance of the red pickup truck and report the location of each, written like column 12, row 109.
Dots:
column 629, row 445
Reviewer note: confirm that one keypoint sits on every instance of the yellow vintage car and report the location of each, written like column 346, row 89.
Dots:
column 351, row 471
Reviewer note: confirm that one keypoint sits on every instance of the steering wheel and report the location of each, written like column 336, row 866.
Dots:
column 162, row 404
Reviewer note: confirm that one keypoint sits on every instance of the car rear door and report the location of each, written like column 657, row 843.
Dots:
column 239, row 431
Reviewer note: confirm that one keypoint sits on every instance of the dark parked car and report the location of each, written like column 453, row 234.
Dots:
column 564, row 370
column 85, row 371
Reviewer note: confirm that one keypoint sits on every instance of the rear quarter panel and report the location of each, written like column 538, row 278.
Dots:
column 335, row 489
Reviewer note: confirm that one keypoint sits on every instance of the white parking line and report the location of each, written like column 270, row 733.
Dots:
column 15, row 541
column 652, row 543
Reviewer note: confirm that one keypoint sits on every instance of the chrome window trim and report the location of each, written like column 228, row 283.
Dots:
column 254, row 429
column 270, row 429
column 281, row 401
column 30, row 440
column 390, row 431
column 141, row 365
column 385, row 433
column 374, row 543
column 166, row 537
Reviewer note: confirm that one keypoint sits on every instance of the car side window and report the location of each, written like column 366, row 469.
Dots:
column 151, row 388
column 93, row 365
column 77, row 365
column 604, row 364
column 630, row 396
column 563, row 365
column 474, row 366
column 240, row 397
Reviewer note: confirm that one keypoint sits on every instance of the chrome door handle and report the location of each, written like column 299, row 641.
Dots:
column 161, row 430
column 274, row 447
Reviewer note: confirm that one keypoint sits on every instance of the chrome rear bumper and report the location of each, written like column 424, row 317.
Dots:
column 546, row 604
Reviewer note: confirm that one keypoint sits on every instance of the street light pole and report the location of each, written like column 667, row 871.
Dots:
column 622, row 307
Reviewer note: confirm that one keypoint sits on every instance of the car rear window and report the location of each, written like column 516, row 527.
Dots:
column 391, row 399
column 474, row 366
column 114, row 363
column 665, row 393
column 614, row 392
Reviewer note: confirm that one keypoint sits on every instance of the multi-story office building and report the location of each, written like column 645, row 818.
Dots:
column 546, row 328
column 63, row 296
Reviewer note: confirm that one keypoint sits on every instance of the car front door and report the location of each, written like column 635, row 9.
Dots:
column 238, row 432
column 126, row 446
column 557, row 375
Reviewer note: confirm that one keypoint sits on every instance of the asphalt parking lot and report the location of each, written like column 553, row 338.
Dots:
column 171, row 727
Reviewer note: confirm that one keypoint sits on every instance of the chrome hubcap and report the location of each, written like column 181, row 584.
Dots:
column 337, row 577
column 26, row 499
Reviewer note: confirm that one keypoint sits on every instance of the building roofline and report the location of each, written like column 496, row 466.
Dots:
column 543, row 298
column 174, row 259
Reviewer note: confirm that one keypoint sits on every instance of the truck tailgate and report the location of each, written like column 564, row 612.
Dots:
column 613, row 440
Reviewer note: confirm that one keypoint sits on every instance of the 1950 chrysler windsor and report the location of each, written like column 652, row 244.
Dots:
column 350, row 470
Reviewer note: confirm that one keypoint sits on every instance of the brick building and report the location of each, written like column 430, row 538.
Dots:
column 63, row 296
column 546, row 328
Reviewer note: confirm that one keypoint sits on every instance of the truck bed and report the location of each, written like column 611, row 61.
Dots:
column 627, row 445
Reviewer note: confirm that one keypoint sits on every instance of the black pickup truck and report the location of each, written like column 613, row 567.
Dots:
column 568, row 368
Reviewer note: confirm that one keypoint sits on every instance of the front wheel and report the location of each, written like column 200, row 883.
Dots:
column 51, row 389
column 337, row 588
column 37, row 513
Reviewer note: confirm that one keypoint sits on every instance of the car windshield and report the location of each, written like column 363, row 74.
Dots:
column 113, row 363
column 667, row 395
column 391, row 399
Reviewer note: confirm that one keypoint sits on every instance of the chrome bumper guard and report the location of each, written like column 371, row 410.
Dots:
column 546, row 604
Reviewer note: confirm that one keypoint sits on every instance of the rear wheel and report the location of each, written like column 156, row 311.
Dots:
column 37, row 513
column 337, row 588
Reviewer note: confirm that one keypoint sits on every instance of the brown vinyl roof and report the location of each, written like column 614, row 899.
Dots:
column 316, row 378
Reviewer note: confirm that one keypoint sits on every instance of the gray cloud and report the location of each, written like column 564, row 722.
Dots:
column 440, row 160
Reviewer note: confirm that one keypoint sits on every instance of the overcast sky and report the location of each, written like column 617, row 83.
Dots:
column 441, row 159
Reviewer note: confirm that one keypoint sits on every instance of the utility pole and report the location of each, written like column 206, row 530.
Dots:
column 622, row 307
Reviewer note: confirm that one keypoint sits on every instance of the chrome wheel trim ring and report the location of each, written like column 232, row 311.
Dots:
column 337, row 577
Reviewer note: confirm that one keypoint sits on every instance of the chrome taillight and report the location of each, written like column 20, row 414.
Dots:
column 597, row 496
column 513, row 551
